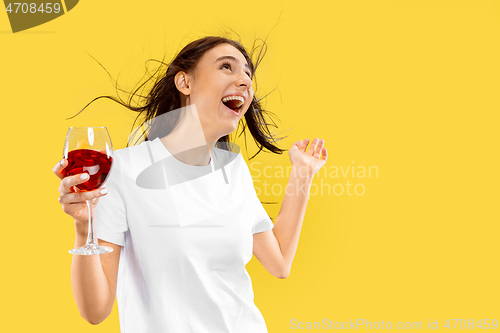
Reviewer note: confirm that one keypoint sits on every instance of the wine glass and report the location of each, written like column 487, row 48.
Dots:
column 89, row 149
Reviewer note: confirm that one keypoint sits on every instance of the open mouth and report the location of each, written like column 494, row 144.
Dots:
column 233, row 104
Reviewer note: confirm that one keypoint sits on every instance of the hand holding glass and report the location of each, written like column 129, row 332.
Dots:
column 89, row 150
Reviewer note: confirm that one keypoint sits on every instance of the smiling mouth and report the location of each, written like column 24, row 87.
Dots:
column 233, row 105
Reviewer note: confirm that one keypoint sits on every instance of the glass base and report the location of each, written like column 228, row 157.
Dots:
column 88, row 250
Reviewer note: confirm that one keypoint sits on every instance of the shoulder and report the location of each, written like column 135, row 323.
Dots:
column 133, row 153
column 225, row 158
column 131, row 160
column 137, row 149
column 235, row 165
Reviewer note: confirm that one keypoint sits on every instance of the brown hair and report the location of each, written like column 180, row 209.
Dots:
column 164, row 96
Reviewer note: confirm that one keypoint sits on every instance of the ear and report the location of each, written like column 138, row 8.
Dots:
column 181, row 80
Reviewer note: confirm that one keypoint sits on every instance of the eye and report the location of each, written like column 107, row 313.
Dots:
column 226, row 64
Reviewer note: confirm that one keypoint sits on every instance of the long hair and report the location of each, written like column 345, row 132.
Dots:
column 164, row 97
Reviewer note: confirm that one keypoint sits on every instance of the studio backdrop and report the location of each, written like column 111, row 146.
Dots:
column 402, row 224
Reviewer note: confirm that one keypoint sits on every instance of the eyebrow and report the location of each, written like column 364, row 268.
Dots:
column 233, row 59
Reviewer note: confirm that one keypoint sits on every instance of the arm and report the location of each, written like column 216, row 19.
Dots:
column 93, row 280
column 276, row 248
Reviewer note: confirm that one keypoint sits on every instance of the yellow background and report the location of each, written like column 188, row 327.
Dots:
column 408, row 86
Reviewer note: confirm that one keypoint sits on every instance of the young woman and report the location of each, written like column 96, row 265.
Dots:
column 180, row 250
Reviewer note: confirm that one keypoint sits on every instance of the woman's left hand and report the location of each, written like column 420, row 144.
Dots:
column 310, row 160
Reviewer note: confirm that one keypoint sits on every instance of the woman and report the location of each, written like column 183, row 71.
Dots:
column 179, row 251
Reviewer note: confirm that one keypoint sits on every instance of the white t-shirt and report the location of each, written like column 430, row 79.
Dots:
column 185, row 241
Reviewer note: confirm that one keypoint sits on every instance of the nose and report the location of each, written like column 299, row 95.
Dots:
column 244, row 81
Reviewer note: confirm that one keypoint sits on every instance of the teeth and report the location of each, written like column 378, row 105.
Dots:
column 239, row 98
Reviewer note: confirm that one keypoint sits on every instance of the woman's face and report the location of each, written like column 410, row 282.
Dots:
column 222, row 72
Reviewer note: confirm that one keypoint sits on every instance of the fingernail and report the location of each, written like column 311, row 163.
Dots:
column 84, row 176
column 104, row 191
column 62, row 162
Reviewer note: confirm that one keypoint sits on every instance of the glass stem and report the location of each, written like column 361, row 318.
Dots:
column 91, row 240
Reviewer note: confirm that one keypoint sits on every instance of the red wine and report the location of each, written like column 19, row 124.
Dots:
column 93, row 162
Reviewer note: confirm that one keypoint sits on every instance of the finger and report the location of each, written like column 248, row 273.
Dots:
column 70, row 181
column 82, row 196
column 74, row 208
column 57, row 170
column 297, row 144
column 95, row 201
column 312, row 148
column 304, row 145
column 325, row 154
column 319, row 148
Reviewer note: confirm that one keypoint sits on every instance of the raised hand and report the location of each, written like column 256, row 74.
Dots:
column 308, row 160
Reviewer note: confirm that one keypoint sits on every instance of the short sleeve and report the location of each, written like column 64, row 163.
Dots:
column 110, row 215
column 261, row 220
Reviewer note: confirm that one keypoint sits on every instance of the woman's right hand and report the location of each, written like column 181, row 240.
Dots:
column 74, row 202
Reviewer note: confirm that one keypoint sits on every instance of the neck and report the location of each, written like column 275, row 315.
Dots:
column 188, row 142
